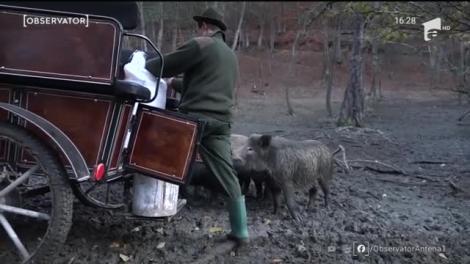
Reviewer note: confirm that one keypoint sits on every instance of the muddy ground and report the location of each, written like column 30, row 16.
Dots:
column 409, row 203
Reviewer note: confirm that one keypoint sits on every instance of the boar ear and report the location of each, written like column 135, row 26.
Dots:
column 265, row 140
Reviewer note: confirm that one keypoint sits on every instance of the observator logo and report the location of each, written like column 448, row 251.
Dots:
column 29, row 20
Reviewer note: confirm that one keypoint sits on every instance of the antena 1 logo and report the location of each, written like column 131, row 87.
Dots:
column 432, row 27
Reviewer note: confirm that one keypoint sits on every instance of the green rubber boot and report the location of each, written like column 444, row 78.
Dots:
column 238, row 223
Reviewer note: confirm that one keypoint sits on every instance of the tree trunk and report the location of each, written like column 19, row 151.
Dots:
column 375, row 69
column 222, row 10
column 380, row 90
column 174, row 37
column 352, row 108
column 327, row 68
column 272, row 38
column 432, row 64
column 461, row 72
column 239, row 27
column 272, row 41
column 464, row 77
column 283, row 25
column 338, row 53
column 260, row 36
column 440, row 52
column 142, row 22
column 175, row 28
column 153, row 32
column 290, row 110
column 247, row 38
column 160, row 30
column 260, row 75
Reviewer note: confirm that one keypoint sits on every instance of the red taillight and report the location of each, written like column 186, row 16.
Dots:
column 99, row 172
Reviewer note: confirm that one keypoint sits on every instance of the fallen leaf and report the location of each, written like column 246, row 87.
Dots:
column 301, row 248
column 442, row 255
column 124, row 257
column 216, row 229
column 161, row 245
column 114, row 245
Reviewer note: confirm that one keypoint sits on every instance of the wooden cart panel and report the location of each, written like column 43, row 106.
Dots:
column 73, row 52
column 164, row 145
column 5, row 96
column 84, row 118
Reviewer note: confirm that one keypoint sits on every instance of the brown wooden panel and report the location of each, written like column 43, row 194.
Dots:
column 5, row 94
column 69, row 52
column 120, row 133
column 163, row 146
column 82, row 117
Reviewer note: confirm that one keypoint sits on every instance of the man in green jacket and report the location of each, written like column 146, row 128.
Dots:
column 210, row 70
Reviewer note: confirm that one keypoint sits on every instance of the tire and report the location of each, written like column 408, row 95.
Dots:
column 60, row 195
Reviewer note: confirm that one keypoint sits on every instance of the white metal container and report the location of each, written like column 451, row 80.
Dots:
column 153, row 197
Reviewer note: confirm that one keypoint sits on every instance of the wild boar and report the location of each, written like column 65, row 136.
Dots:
column 203, row 177
column 291, row 165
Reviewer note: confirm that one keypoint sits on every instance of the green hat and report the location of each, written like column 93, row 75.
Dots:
column 211, row 16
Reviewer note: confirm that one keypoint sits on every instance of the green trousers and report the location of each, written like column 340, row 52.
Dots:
column 216, row 153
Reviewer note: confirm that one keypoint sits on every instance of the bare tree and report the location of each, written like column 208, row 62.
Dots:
column 375, row 60
column 260, row 35
column 282, row 26
column 160, row 30
column 240, row 22
column 142, row 21
column 262, row 21
column 352, row 108
column 272, row 39
column 375, row 69
column 338, row 53
column 290, row 71
column 461, row 71
column 327, row 66
column 175, row 26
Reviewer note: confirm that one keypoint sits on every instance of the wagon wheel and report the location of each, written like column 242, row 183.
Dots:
column 106, row 194
column 36, row 202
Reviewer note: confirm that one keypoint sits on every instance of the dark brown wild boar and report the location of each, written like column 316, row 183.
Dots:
column 201, row 176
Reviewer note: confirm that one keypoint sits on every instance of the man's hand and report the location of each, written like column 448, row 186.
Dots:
column 168, row 82
column 171, row 92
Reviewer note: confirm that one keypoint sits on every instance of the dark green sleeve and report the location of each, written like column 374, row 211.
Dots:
column 176, row 62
